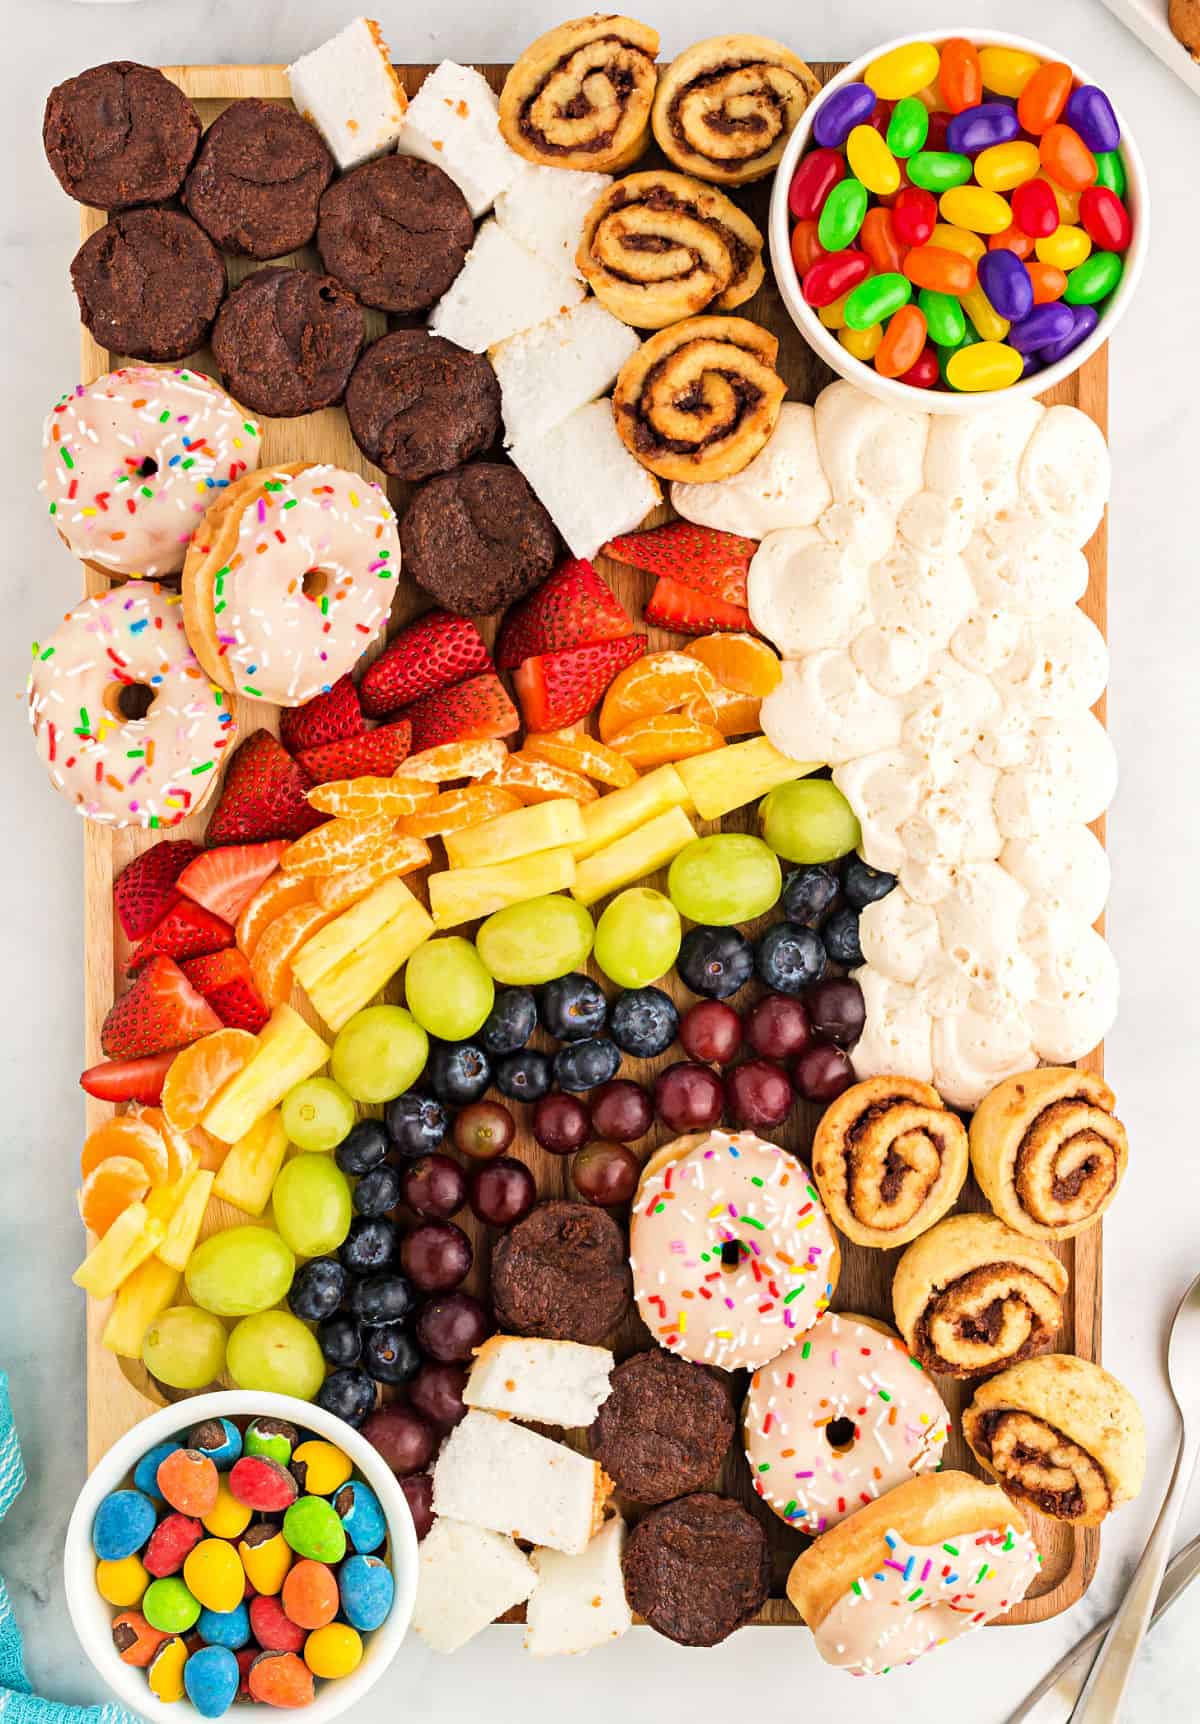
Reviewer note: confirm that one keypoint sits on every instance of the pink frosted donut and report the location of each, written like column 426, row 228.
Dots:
column 131, row 462
column 124, row 718
column 732, row 1254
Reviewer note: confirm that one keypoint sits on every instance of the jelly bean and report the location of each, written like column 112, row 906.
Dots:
column 908, row 127
column 1003, row 167
column 812, row 183
column 872, row 163
column 973, row 208
column 862, row 344
column 361, row 1513
column 924, row 373
column 982, row 128
column 1012, row 239
column 879, row 240
column 313, row 1529
column 945, row 354
column 122, row 1581
column 266, row 1557
column 1033, row 362
column 310, row 1594
column 834, row 275
column 1005, row 281
column 960, row 77
column 939, row 125
column 943, row 271
column 887, row 199
column 1086, row 319
column 987, row 320
column 913, row 215
column 1048, row 283
column 134, row 1641
column 229, row 1628
column 333, row 1651
column 1044, row 97
column 188, row 1481
column 1067, row 202
column 1007, row 70
column 957, row 239
column 273, row 1628
column 1110, row 172
column 211, row 1678
column 938, row 170
column 990, row 365
column 366, row 1588
column 281, row 1679
column 877, row 298
column 881, row 116
column 213, row 1573
column 834, row 316
column 1035, row 208
column 807, row 248
column 1105, row 218
column 228, row 1518
column 1094, row 279
column 325, row 1467
column 943, row 317
column 1090, row 112
column 219, row 1439
column 145, row 1474
column 170, row 1543
column 165, row 1671
column 273, row 1439
column 169, row 1605
column 1066, row 158
column 903, row 342
column 839, row 113
column 1066, row 247
column 123, row 1523
column 904, row 70
column 842, row 214
column 1045, row 323
column 264, row 1485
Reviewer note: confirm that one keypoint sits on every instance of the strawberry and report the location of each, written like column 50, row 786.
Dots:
column 264, row 796
column 161, row 1010
column 145, row 888
column 224, row 880
column 375, row 754
column 224, row 980
column 688, row 612
column 571, row 608
column 329, row 717
column 185, row 931
column 435, row 652
column 129, row 1080
column 479, row 707
column 701, row 558
column 562, row 687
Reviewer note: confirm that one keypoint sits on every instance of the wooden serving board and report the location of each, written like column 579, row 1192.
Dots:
column 120, row 1392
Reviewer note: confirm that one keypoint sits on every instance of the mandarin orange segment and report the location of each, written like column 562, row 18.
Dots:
column 739, row 662
column 108, row 1190
column 132, row 1136
column 451, row 760
column 367, row 798
column 398, row 856
column 181, row 1155
column 578, row 752
column 337, row 845
column 660, row 682
column 731, row 713
column 666, row 736
column 281, row 892
column 271, row 965
column 455, row 809
column 199, row 1071
column 535, row 780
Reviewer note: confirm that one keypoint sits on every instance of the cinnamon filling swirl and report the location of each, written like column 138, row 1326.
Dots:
column 990, row 1317
column 1034, row 1460
column 1068, row 1162
column 894, row 1152
column 581, row 95
column 733, row 112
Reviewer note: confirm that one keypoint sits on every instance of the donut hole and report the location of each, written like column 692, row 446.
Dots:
column 315, row 584
column 840, row 1435
column 129, row 701
column 148, row 468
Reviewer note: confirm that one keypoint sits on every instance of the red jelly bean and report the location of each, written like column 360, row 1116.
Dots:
column 281, row 1679
column 903, row 342
column 273, row 1628
column 939, row 122
column 1049, row 282
column 188, row 1481
column 1066, row 158
column 172, row 1540
column 1105, row 217
column 262, row 1484
column 806, row 247
column 878, row 238
column 914, row 215
column 1035, row 208
column 960, row 76
column 939, row 269
column 924, row 374
column 1044, row 97
column 1013, row 238
column 881, row 117
column 833, row 275
column 813, row 181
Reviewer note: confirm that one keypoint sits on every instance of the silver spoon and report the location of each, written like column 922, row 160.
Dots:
column 1100, row 1702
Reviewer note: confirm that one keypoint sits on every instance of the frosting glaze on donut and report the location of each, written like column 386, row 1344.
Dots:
column 125, row 720
column 130, row 464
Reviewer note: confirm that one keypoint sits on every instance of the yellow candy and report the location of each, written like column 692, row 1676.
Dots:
column 872, row 162
column 328, row 1468
column 266, row 1564
column 1007, row 70
column 972, row 207
column 988, row 322
column 213, row 1574
column 122, row 1583
column 903, row 72
column 333, row 1651
column 834, row 316
column 987, row 365
column 165, row 1672
column 862, row 343
column 957, row 239
column 1006, row 166
column 230, row 1518
column 1068, row 202
column 1065, row 247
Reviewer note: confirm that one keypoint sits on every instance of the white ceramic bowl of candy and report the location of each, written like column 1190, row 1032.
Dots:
column 1025, row 355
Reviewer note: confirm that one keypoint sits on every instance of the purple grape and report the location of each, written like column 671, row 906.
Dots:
column 450, row 1327
column 434, row 1187
column 502, row 1191
column 436, row 1256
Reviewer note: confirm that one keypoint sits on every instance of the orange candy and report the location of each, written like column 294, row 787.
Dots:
column 199, row 1071
column 534, row 780
column 271, row 965
column 960, row 75
column 877, row 237
column 659, row 682
column 310, row 1594
column 131, row 1136
column 455, row 810
column 337, row 845
column 398, row 856
column 741, row 663
column 903, row 342
column 1066, row 158
column 111, row 1186
column 366, row 798
column 1013, row 239
column 806, row 247
column 1049, row 283
column 580, row 753
column 666, row 736
column 281, row 1679
column 451, row 760
column 281, row 892
column 939, row 269
column 1044, row 97
column 134, row 1639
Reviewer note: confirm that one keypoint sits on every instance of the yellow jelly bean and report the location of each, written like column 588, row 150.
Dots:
column 165, row 1672
column 1006, row 166
column 213, row 1573
column 903, row 72
column 1068, row 202
column 327, row 1467
column 1065, row 247
column 989, row 325
column 862, row 343
column 971, row 207
column 872, row 162
column 122, row 1583
column 834, row 316
column 333, row 1651
column 957, row 239
column 1007, row 70
column 266, row 1557
column 230, row 1518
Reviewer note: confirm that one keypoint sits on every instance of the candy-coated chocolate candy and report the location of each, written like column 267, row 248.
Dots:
column 877, row 298
column 1012, row 239
column 272, row 1627
column 266, row 1557
column 1043, row 325
column 245, row 1657
column 281, row 1679
column 806, row 245
column 1066, row 158
column 263, row 1485
column 172, row 1539
column 145, row 1474
column 134, row 1641
column 367, row 1589
column 219, row 1439
column 842, row 213
column 943, row 271
column 1035, row 208
column 1065, row 248
column 123, row 1581
column 1005, row 281
column 914, row 214
column 312, row 1528
column 1007, row 70
column 973, row 208
column 961, row 77
column 1110, row 171
column 908, row 128
column 957, row 239
column 1090, row 112
column 333, row 1651
column 229, row 1628
column 228, row 1518
column 1003, row 167
column 871, row 162
column 834, row 316
column 1048, row 283
column 878, row 239
column 1086, row 319
column 1094, row 279
column 123, row 1523
column 361, row 1513
column 983, row 314
column 938, row 170
column 326, row 1468
column 903, row 342
column 273, row 1438
column 165, row 1671
column 188, row 1481
column 834, row 275
column 214, row 1574
column 1044, row 97
column 924, row 374
column 211, row 1678
column 989, row 365
column 1105, row 218
column 903, row 71
column 861, row 343
column 310, row 1594
column 943, row 317
column 982, row 128
column 839, row 113
column 169, row 1605
column 814, row 179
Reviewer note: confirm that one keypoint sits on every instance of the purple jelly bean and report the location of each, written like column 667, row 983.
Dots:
column 1091, row 113
column 1086, row 317
column 978, row 128
column 1006, row 282
column 1044, row 325
column 839, row 113
column 1033, row 362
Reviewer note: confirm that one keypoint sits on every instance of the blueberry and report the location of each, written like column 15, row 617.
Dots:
column 525, row 1076
column 510, row 1023
column 458, row 1072
column 378, row 1191
column 348, row 1395
column 371, row 1246
column 790, row 958
column 382, row 1299
column 364, row 1146
column 390, row 1354
column 644, row 1022
column 573, row 1007
column 863, row 884
column 715, row 961
column 416, row 1124
column 840, row 935
column 808, row 894
column 583, row 1065
column 340, row 1340
column 317, row 1289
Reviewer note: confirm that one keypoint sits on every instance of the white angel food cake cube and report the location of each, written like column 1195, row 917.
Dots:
column 466, row 1578
column 500, row 290
column 591, row 485
column 551, row 1382
column 494, row 1473
column 349, row 90
column 579, row 1601
column 453, row 121
column 544, row 208
column 548, row 371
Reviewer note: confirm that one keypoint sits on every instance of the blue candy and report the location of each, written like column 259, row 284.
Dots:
column 977, row 129
column 123, row 1523
column 229, row 1628
column 366, row 1588
column 1091, row 113
column 362, row 1516
column 1006, row 283
column 839, row 113
column 211, row 1678
column 145, row 1474
column 1045, row 324
column 225, row 1452
column 1086, row 317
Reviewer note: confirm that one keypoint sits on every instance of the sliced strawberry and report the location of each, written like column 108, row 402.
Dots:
column 435, row 652
column 330, row 717
column 671, row 606
column 572, row 607
column 562, row 687
column 701, row 558
column 186, row 931
column 161, row 1010
column 374, row 754
column 477, row 708
column 145, row 888
column 264, row 796
column 129, row 1080
column 225, row 981
column 226, row 879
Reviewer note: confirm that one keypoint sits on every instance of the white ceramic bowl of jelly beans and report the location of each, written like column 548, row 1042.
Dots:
column 956, row 217
column 163, row 1540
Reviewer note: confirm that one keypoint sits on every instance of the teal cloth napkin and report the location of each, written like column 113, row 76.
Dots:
column 17, row 1704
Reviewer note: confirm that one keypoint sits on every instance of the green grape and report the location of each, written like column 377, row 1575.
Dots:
column 536, row 941
column 448, row 990
column 728, row 878
column 808, row 820
column 240, row 1271
column 378, row 1053
column 185, row 1347
column 311, row 1204
column 637, row 937
column 275, row 1354
column 317, row 1114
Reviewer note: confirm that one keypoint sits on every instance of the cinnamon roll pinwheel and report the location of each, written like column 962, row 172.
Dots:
column 658, row 247
column 699, row 400
column 726, row 108
column 1048, row 1151
column 580, row 96
column 889, row 1159
column 971, row 1296
column 1060, row 1434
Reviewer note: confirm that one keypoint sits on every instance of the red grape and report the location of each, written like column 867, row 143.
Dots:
column 403, row 1438
column 711, row 1031
column 560, row 1123
column 822, row 1072
column 436, row 1393
column 450, row 1327
column 418, row 1494
column 621, row 1111
column 688, row 1097
column 606, row 1173
column 434, row 1186
column 436, row 1256
column 502, row 1191
column 837, row 1011
column 484, row 1129
column 758, row 1093
column 777, row 1026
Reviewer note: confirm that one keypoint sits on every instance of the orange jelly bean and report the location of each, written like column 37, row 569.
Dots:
column 1044, row 97
column 1049, row 283
column 1012, row 239
column 940, row 270
column 903, row 342
column 960, row 75
column 1066, row 158
column 877, row 237
column 806, row 247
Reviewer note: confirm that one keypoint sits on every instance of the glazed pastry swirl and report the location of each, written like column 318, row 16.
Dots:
column 889, row 1160
column 725, row 108
column 580, row 96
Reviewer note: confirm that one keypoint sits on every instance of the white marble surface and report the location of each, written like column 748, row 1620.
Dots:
column 1153, row 1241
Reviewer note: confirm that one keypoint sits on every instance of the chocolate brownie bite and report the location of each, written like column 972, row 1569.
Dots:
column 477, row 538
column 418, row 405
column 395, row 232
column 119, row 134
column 257, row 183
column 286, row 341
column 664, row 1429
column 149, row 284
column 697, row 1568
column 562, row 1274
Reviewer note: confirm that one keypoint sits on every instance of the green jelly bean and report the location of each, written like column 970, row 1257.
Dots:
column 946, row 354
column 908, row 127
column 943, row 316
column 1094, row 279
column 1110, row 171
column 939, row 170
column 875, row 299
column 842, row 214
